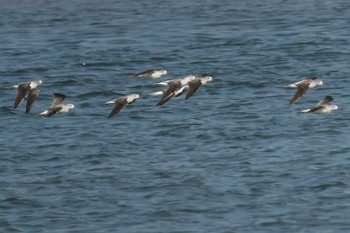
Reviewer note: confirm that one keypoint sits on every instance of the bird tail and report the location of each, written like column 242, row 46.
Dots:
column 157, row 93
column 161, row 84
column 110, row 102
column 306, row 110
column 10, row 87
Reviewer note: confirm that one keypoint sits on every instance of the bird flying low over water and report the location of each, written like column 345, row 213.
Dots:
column 194, row 84
column 121, row 102
column 323, row 106
column 151, row 74
column 57, row 106
column 27, row 89
column 173, row 88
column 302, row 86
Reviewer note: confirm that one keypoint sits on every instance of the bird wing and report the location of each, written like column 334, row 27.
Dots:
column 168, row 93
column 58, row 99
column 119, row 105
column 165, row 99
column 326, row 100
column 301, row 89
column 23, row 90
column 193, row 86
column 32, row 96
column 53, row 111
column 316, row 108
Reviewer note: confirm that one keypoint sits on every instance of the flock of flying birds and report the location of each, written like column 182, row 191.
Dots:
column 302, row 86
column 174, row 87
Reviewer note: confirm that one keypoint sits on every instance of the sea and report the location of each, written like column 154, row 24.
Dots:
column 236, row 157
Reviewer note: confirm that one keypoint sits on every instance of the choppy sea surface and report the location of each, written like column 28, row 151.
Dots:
column 235, row 157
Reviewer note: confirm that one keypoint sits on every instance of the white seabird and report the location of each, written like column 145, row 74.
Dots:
column 173, row 88
column 196, row 83
column 151, row 73
column 323, row 106
column 57, row 106
column 29, row 89
column 303, row 86
column 121, row 102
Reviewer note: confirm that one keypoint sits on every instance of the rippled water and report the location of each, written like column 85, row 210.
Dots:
column 236, row 157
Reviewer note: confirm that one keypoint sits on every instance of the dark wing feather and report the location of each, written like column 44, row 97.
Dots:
column 165, row 99
column 144, row 73
column 32, row 96
column 316, row 108
column 119, row 105
column 23, row 89
column 326, row 100
column 168, row 93
column 302, row 88
column 193, row 86
column 58, row 99
column 53, row 111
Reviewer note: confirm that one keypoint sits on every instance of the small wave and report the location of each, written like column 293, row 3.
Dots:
column 30, row 69
column 96, row 93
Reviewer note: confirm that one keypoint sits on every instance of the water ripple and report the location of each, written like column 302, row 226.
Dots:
column 235, row 157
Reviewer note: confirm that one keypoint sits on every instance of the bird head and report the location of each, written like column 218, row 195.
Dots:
column 70, row 106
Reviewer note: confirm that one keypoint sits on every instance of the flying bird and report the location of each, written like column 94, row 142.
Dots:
column 194, row 84
column 121, row 102
column 27, row 89
column 303, row 86
column 173, row 88
column 151, row 74
column 57, row 106
column 323, row 106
